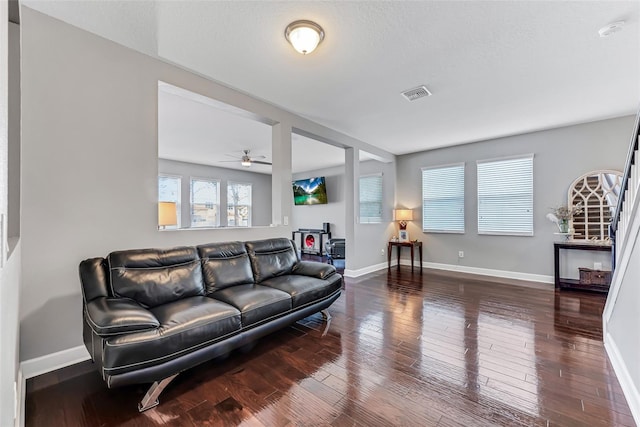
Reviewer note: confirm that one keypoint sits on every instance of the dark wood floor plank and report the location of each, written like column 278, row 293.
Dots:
column 431, row 349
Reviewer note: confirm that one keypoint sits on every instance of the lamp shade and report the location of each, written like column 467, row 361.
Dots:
column 167, row 214
column 304, row 35
column 403, row 215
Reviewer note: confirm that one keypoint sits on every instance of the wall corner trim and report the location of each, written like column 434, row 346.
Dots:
column 624, row 377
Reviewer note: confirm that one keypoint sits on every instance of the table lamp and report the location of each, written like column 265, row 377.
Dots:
column 167, row 214
column 402, row 216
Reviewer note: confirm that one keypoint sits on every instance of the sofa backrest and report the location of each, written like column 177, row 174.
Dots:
column 225, row 264
column 271, row 257
column 94, row 278
column 155, row 276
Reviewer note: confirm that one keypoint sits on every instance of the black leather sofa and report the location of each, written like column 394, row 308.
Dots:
column 151, row 313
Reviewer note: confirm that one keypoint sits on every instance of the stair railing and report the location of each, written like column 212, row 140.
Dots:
column 628, row 193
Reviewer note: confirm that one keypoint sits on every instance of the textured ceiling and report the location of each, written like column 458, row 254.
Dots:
column 495, row 68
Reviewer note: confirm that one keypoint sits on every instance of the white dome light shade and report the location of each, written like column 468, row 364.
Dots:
column 304, row 36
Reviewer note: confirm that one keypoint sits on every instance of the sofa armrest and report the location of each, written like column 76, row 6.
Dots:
column 111, row 316
column 314, row 269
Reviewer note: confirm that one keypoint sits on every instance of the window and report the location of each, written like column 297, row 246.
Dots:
column 371, row 199
column 505, row 196
column 238, row 205
column 443, row 199
column 205, row 202
column 169, row 191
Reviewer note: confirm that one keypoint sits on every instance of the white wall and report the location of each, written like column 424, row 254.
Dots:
column 13, row 223
column 10, row 282
column 10, row 270
column 561, row 155
column 89, row 166
column 260, row 188
column 622, row 339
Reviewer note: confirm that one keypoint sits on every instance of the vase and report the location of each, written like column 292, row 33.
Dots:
column 563, row 225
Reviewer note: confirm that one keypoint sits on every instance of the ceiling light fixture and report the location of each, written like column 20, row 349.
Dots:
column 610, row 29
column 304, row 35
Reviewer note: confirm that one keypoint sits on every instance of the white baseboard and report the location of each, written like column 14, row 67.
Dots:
column 457, row 268
column 50, row 362
column 487, row 272
column 626, row 382
column 366, row 270
column 41, row 365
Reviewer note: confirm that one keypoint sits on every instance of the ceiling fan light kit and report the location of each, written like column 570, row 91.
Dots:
column 304, row 35
column 246, row 160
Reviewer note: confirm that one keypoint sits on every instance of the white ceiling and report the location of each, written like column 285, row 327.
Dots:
column 495, row 68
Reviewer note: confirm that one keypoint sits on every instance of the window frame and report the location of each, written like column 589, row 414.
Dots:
column 217, row 204
column 372, row 219
column 461, row 165
column 178, row 202
column 529, row 156
column 250, row 206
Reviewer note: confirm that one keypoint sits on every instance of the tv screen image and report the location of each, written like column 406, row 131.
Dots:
column 311, row 191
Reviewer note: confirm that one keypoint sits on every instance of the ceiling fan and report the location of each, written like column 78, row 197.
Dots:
column 246, row 160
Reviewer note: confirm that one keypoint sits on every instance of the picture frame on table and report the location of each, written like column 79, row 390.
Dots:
column 403, row 236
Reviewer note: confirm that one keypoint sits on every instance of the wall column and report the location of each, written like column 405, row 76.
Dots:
column 281, row 176
column 352, row 205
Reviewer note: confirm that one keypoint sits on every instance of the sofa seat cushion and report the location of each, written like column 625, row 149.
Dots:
column 256, row 303
column 304, row 289
column 185, row 326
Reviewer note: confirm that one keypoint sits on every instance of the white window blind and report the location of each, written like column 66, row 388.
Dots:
column 443, row 199
column 371, row 199
column 169, row 191
column 505, row 196
column 205, row 203
column 238, row 205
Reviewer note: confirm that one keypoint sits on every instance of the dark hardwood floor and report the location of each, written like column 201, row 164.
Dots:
column 402, row 349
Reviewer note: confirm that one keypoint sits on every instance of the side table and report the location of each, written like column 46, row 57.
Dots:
column 399, row 246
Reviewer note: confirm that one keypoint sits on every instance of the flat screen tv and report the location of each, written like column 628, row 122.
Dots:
column 311, row 191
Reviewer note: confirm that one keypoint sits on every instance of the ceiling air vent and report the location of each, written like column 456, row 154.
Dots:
column 416, row 93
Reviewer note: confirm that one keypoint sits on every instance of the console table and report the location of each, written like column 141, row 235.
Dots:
column 562, row 283
column 399, row 245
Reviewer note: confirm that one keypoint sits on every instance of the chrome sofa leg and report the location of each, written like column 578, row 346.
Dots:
column 327, row 318
column 151, row 398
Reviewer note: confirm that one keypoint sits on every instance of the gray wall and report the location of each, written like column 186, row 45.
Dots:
column 312, row 216
column 260, row 189
column 90, row 166
column 561, row 155
column 371, row 239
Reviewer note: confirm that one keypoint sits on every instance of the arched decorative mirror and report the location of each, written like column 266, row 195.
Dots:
column 597, row 192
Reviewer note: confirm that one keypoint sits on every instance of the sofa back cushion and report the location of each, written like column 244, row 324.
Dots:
column 271, row 257
column 225, row 264
column 156, row 276
column 94, row 278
